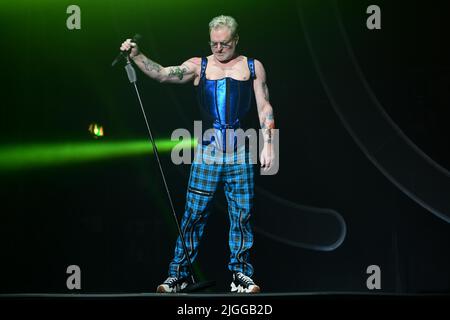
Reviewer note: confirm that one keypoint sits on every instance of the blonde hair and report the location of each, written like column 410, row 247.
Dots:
column 224, row 21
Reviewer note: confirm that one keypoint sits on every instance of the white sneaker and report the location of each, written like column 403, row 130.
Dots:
column 243, row 284
column 172, row 285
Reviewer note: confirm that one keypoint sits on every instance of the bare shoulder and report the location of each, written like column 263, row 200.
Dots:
column 195, row 60
column 259, row 69
column 193, row 63
column 258, row 64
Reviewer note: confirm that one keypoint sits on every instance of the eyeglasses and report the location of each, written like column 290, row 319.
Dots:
column 224, row 45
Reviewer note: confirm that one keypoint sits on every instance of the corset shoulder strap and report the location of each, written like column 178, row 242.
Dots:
column 251, row 66
column 204, row 63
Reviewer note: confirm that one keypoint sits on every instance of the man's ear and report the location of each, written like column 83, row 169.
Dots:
column 237, row 39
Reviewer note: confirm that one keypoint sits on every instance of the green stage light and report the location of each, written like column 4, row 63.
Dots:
column 19, row 157
column 96, row 130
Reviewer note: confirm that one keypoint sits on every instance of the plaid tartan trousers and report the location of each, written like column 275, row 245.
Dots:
column 237, row 174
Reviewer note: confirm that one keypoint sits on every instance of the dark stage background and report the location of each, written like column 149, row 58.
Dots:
column 364, row 146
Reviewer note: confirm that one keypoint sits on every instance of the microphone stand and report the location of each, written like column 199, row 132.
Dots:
column 194, row 285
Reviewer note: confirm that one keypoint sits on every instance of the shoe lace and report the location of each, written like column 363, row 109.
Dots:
column 246, row 279
column 171, row 281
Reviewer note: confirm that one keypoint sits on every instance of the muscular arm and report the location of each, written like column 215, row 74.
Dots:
column 186, row 72
column 265, row 111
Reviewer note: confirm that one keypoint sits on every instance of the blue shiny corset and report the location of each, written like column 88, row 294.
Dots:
column 225, row 104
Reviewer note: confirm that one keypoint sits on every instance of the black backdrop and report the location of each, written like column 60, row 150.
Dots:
column 111, row 217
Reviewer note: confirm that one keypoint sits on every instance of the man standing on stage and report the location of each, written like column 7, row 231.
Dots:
column 226, row 82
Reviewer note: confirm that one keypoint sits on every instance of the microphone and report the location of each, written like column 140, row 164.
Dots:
column 123, row 54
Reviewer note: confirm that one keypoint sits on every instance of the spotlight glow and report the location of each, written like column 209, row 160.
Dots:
column 20, row 157
column 96, row 130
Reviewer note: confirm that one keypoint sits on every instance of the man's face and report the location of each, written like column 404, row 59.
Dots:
column 222, row 44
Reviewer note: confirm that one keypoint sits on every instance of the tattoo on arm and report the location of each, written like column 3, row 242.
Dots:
column 269, row 136
column 268, row 121
column 150, row 65
column 267, row 125
column 177, row 72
